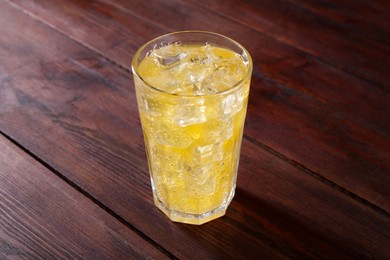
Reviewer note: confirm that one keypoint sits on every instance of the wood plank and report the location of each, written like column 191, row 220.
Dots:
column 300, row 102
column 76, row 111
column 43, row 217
column 274, row 67
column 331, row 42
column 365, row 17
column 88, row 129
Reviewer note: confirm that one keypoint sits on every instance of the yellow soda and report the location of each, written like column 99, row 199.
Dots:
column 192, row 101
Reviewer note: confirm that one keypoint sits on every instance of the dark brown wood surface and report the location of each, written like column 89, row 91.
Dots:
column 314, row 172
column 43, row 217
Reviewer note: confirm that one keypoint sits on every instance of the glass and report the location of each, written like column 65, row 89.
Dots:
column 192, row 92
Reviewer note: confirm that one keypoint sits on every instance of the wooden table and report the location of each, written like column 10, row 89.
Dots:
column 314, row 176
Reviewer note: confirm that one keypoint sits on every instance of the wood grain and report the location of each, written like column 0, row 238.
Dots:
column 288, row 23
column 76, row 111
column 317, row 116
column 43, row 217
column 366, row 18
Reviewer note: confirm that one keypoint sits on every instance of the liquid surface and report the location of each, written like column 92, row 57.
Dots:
column 192, row 69
column 192, row 143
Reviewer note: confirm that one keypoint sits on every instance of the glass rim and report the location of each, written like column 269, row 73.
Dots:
column 134, row 65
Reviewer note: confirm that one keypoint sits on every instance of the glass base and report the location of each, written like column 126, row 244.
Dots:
column 195, row 219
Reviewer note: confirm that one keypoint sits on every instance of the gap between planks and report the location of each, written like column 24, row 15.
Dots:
column 262, row 146
column 91, row 198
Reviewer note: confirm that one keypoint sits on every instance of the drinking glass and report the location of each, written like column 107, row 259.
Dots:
column 192, row 92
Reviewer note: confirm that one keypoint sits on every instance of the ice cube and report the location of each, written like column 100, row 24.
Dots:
column 170, row 61
column 169, row 55
column 214, row 82
column 181, row 90
column 189, row 114
column 231, row 104
column 199, row 181
column 198, row 174
column 222, row 131
column 171, row 135
column 208, row 153
column 150, row 105
column 227, row 72
column 241, row 94
column 214, row 131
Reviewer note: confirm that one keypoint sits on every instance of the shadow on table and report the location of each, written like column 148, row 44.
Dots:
column 251, row 224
